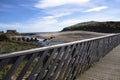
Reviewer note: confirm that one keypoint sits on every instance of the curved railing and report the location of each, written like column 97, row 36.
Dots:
column 57, row 62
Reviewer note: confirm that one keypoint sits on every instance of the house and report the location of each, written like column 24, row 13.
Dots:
column 11, row 31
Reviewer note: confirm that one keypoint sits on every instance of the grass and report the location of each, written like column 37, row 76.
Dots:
column 8, row 47
column 103, row 27
column 18, row 70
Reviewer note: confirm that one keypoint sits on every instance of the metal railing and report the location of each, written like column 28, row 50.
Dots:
column 57, row 62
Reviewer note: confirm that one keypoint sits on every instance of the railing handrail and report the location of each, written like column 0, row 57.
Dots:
column 56, row 62
column 24, row 52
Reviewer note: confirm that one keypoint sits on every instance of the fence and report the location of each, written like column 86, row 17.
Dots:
column 57, row 62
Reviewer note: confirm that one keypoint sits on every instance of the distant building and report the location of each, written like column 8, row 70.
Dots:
column 13, row 35
column 11, row 31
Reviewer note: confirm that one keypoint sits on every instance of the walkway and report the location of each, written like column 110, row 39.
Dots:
column 108, row 68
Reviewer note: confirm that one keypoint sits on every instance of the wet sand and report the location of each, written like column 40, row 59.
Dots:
column 69, row 36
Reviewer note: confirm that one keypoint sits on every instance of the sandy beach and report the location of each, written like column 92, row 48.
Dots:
column 69, row 36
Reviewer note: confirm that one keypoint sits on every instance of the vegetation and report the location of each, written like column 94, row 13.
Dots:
column 1, row 32
column 19, row 69
column 28, row 34
column 8, row 46
column 105, row 27
column 3, row 37
column 16, row 44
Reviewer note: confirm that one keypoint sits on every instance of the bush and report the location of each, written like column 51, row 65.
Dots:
column 36, row 40
column 3, row 37
column 31, row 39
column 27, row 39
column 23, row 39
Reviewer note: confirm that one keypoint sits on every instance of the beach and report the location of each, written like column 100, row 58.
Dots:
column 69, row 36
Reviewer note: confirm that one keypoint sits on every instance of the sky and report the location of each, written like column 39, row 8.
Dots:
column 54, row 15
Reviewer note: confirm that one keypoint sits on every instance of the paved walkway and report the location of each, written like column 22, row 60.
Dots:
column 108, row 68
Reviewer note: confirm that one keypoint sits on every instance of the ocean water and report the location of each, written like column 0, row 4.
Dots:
column 40, row 32
column 48, row 42
column 45, row 43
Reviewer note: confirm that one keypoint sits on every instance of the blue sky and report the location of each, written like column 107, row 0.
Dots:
column 54, row 15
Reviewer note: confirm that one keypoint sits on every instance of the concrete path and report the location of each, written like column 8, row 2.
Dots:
column 108, row 68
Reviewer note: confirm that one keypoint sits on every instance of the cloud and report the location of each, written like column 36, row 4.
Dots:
column 43, row 25
column 46, row 24
column 53, row 22
column 13, row 26
column 96, row 9
column 62, row 13
column 7, row 25
column 55, row 3
column 40, row 25
column 70, row 22
column 36, row 25
column 57, row 15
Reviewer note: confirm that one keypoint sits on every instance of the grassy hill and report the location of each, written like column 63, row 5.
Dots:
column 8, row 47
column 105, row 27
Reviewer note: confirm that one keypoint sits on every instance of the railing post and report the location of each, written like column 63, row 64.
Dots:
column 58, row 62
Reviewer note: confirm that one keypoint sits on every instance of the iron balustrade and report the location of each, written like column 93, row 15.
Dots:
column 57, row 62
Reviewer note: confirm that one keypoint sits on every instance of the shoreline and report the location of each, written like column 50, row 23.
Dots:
column 69, row 36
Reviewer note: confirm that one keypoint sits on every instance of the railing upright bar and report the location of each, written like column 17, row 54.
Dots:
column 56, row 73
column 13, row 68
column 68, row 61
column 54, row 65
column 38, row 64
column 57, row 62
column 26, row 67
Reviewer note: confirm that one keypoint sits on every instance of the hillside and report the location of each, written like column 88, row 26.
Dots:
column 104, row 27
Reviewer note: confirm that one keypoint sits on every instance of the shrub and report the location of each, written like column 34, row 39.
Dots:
column 3, row 37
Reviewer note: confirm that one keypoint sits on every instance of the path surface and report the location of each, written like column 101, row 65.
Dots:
column 108, row 68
